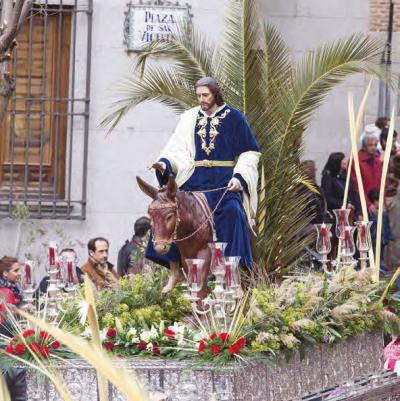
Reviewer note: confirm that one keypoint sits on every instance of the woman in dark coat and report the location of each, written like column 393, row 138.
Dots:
column 333, row 184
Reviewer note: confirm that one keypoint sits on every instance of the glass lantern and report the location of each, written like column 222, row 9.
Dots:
column 342, row 220
column 194, row 276
column 363, row 235
column 232, row 274
column 217, row 259
column 28, row 276
column 348, row 245
column 323, row 245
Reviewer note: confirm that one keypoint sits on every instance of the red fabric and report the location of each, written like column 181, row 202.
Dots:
column 392, row 364
column 9, row 298
column 371, row 173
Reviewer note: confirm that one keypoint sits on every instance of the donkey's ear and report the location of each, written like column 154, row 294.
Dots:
column 147, row 188
column 171, row 187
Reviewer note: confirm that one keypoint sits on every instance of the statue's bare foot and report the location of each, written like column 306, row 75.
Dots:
column 175, row 277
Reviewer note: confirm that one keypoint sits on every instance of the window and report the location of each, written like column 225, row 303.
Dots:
column 39, row 164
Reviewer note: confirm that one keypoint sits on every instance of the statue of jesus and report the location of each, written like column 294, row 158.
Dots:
column 212, row 149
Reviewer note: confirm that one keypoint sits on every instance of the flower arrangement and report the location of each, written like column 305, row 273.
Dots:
column 158, row 340
column 30, row 343
column 222, row 347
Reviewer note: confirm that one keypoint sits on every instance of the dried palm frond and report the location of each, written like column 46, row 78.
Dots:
column 4, row 394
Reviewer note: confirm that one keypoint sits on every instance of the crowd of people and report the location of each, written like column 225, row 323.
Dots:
column 330, row 194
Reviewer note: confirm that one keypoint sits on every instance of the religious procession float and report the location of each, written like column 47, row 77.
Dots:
column 291, row 326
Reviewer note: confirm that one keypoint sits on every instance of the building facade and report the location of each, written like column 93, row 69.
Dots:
column 80, row 182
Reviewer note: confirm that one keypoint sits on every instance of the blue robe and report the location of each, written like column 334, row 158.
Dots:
column 223, row 137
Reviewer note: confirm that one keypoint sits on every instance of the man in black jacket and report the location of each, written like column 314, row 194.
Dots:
column 130, row 256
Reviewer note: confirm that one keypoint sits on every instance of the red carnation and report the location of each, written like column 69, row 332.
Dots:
column 212, row 336
column 20, row 349
column 241, row 342
column 111, row 333
column 43, row 335
column 28, row 333
column 224, row 337
column 169, row 333
column 10, row 350
column 215, row 349
column 56, row 344
column 142, row 346
column 156, row 349
column 109, row 346
column 234, row 349
column 45, row 352
column 35, row 347
column 202, row 346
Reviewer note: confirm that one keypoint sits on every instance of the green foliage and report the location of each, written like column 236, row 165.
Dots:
column 140, row 300
column 309, row 309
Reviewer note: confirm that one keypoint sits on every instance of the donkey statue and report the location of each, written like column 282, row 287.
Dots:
column 183, row 218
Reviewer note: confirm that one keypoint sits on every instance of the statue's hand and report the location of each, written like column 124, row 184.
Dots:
column 234, row 185
column 158, row 166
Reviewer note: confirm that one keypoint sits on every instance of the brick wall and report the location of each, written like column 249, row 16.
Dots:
column 379, row 15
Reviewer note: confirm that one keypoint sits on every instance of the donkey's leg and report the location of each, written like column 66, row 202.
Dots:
column 175, row 276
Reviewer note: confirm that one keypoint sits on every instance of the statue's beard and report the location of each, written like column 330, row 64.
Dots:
column 207, row 106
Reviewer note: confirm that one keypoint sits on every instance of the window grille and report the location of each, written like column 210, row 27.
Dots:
column 44, row 135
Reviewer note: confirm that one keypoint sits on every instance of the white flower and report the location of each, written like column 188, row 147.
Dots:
column 87, row 333
column 103, row 335
column 149, row 347
column 180, row 338
column 198, row 336
column 153, row 333
column 177, row 328
column 131, row 332
column 145, row 336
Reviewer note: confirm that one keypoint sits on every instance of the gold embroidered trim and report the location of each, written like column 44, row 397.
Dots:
column 202, row 132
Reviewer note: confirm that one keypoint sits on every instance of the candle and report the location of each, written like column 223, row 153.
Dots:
column 346, row 238
column 52, row 253
column 363, row 233
column 218, row 255
column 58, row 274
column 28, row 272
column 228, row 275
column 342, row 219
column 70, row 273
column 324, row 234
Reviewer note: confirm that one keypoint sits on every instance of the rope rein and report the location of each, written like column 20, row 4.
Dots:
column 206, row 221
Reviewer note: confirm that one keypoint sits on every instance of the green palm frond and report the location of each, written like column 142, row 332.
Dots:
column 158, row 84
column 190, row 53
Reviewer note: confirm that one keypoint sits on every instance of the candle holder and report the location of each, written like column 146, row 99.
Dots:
column 227, row 292
column 364, row 242
column 28, row 282
column 323, row 245
column 349, row 247
column 342, row 220
column 53, row 290
column 69, row 274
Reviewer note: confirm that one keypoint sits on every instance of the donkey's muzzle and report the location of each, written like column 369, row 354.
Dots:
column 162, row 248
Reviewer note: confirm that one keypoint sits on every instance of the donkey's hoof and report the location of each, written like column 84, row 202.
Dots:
column 173, row 280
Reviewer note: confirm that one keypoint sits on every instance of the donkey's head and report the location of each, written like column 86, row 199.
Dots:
column 163, row 212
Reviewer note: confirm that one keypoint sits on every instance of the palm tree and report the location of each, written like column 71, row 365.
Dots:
column 278, row 97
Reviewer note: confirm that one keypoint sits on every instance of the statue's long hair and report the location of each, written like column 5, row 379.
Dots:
column 211, row 84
